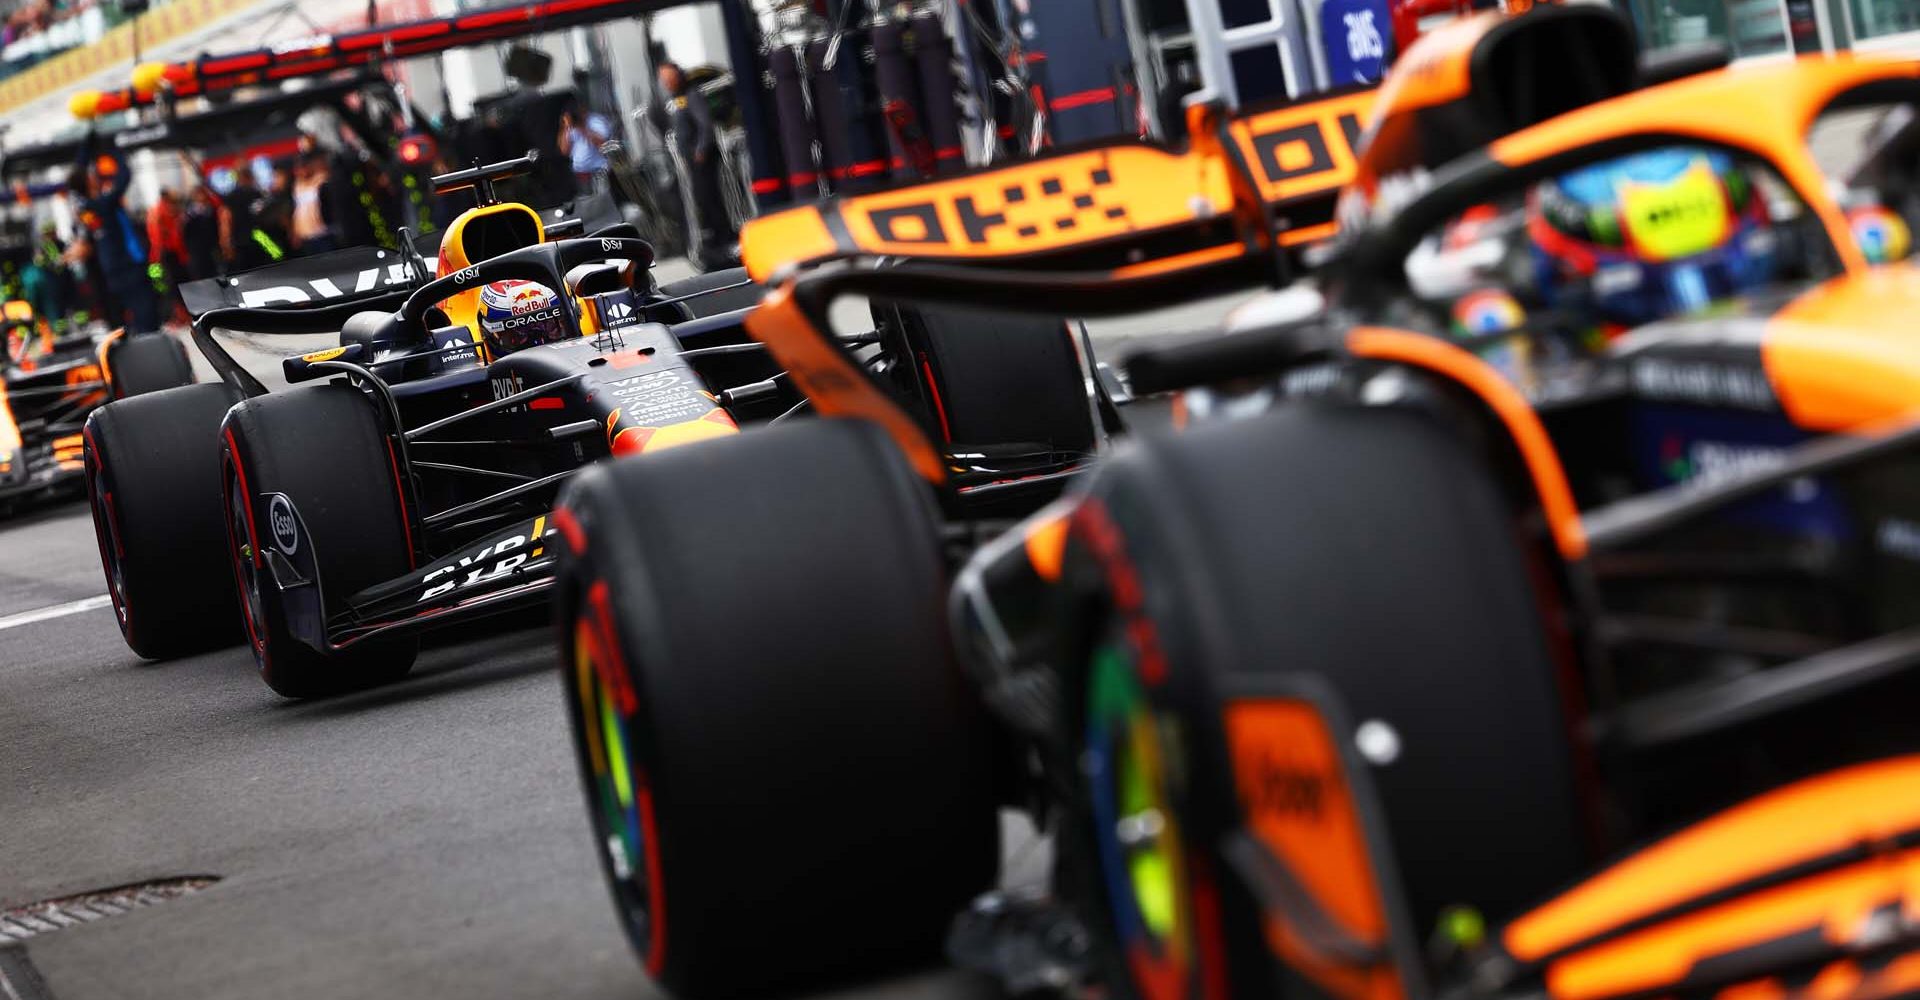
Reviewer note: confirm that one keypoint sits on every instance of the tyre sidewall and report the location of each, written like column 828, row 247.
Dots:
column 708, row 872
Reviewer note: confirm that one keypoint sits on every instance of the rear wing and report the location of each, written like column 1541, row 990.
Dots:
column 1106, row 205
column 357, row 273
column 327, row 279
column 1095, row 231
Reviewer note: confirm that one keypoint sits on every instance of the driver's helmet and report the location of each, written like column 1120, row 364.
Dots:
column 515, row 315
column 1650, row 235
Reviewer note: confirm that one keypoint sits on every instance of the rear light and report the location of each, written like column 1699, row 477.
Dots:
column 416, row 150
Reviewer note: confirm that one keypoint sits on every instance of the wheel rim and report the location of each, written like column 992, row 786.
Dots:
column 245, row 563
column 1135, row 826
column 619, row 801
column 106, row 531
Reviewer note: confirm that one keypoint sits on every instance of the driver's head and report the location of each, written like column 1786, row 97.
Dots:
column 515, row 315
column 1650, row 235
column 671, row 78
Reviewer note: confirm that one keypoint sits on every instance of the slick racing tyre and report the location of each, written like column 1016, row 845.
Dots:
column 787, row 777
column 140, row 363
column 153, row 482
column 997, row 378
column 1363, row 546
column 324, row 450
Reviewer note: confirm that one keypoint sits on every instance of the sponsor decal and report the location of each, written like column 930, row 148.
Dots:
column 1286, row 788
column 136, row 136
column 490, row 562
column 522, row 319
column 456, row 348
column 616, row 310
column 659, row 398
column 284, row 527
column 327, row 355
column 1701, row 448
column 466, row 274
column 1311, row 380
column 326, row 288
column 610, row 246
column 506, row 385
column 311, row 43
column 1705, row 463
column 1702, row 382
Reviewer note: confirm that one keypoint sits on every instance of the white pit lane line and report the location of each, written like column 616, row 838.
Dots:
column 83, row 605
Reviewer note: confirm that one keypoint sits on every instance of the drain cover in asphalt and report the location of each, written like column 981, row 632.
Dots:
column 19, row 923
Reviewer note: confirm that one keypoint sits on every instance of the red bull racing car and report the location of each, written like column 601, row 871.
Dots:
column 1556, row 647
column 411, row 487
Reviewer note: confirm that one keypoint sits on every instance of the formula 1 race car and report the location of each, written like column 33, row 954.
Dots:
column 412, row 489
column 48, row 386
column 1352, row 686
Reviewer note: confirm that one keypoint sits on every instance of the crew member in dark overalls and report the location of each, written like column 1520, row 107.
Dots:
column 690, row 118
column 108, row 234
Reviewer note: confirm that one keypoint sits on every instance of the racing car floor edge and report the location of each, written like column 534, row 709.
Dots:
column 722, row 708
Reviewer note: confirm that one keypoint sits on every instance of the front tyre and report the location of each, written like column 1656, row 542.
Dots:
column 787, row 776
column 324, row 449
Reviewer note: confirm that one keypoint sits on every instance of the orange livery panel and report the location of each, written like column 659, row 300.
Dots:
column 1061, row 202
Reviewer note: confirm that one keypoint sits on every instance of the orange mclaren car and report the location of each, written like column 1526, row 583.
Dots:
column 1545, row 627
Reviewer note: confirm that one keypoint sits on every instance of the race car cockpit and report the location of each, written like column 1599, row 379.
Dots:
column 505, row 316
column 1553, row 272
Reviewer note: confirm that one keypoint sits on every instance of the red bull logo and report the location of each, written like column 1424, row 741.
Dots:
column 516, row 298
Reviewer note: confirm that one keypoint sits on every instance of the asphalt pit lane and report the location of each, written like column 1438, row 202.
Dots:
column 29, row 920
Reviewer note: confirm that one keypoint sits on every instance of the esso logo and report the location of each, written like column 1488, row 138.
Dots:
column 280, row 521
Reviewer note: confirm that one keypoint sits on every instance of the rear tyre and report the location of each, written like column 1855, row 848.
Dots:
column 1369, row 548
column 153, row 483
column 139, row 363
column 325, row 449
column 998, row 378
column 786, row 774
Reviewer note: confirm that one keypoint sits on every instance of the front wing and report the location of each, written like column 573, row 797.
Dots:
column 40, row 464
column 509, row 569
